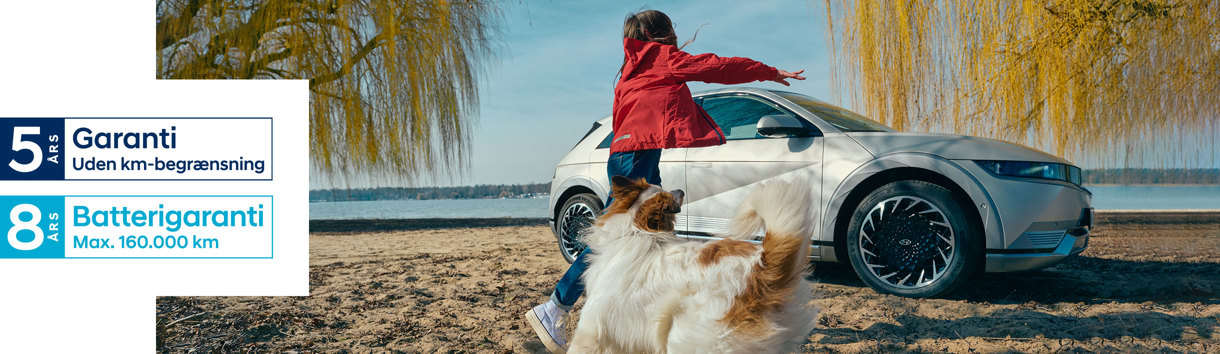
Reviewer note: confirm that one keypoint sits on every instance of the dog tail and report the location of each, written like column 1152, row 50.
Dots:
column 780, row 207
column 671, row 305
column 785, row 211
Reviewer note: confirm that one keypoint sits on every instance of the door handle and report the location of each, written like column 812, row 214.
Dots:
column 701, row 165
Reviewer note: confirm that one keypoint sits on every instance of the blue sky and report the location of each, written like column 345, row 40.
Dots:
column 555, row 76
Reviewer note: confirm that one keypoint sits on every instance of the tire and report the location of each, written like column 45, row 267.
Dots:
column 576, row 215
column 897, row 237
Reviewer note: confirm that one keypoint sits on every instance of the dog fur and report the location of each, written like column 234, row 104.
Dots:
column 650, row 291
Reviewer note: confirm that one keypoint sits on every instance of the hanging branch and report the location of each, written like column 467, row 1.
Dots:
column 1108, row 81
column 393, row 82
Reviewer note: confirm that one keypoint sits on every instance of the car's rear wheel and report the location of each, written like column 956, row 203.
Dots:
column 912, row 238
column 576, row 215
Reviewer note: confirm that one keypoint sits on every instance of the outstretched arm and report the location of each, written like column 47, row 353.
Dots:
column 724, row 70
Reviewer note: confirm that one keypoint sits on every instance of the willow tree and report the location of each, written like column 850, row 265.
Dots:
column 1108, row 80
column 393, row 83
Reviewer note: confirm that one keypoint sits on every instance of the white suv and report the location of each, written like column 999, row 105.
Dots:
column 916, row 214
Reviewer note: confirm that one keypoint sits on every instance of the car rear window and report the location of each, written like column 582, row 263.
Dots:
column 606, row 142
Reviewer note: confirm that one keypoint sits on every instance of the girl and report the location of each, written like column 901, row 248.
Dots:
column 653, row 110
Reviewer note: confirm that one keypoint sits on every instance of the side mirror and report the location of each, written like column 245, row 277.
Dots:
column 784, row 126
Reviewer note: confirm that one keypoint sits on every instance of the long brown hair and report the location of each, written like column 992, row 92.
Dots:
column 651, row 26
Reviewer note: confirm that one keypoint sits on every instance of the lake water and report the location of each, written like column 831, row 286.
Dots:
column 1104, row 198
column 1155, row 197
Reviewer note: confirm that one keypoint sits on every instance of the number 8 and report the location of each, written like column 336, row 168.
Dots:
column 31, row 225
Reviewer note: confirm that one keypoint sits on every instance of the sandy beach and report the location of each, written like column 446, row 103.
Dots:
column 1144, row 286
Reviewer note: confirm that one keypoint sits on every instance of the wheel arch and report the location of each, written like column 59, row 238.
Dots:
column 571, row 187
column 921, row 167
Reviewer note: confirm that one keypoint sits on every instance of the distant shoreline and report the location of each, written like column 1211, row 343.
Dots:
column 421, row 200
column 350, row 226
column 1159, row 217
column 382, row 225
column 315, row 195
column 1150, row 184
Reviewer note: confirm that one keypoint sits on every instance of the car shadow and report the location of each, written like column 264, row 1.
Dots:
column 1029, row 324
column 1078, row 279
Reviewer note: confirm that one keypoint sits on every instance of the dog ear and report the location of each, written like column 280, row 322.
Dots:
column 623, row 186
column 625, row 191
column 620, row 182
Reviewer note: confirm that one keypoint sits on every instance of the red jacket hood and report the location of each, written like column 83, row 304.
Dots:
column 633, row 51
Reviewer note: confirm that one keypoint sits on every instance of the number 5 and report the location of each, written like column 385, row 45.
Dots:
column 19, row 144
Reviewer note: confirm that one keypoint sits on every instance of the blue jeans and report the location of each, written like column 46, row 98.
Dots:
column 631, row 164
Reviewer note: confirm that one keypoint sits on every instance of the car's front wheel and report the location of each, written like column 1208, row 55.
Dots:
column 576, row 215
column 912, row 238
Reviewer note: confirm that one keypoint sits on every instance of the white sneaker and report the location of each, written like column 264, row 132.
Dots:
column 547, row 320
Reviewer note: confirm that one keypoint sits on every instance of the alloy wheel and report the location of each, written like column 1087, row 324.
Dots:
column 576, row 218
column 906, row 242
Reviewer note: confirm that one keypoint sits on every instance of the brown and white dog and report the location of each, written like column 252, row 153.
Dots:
column 651, row 291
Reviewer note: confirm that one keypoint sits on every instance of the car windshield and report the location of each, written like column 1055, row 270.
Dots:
column 845, row 120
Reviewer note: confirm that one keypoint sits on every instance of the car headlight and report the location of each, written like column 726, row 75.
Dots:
column 1044, row 170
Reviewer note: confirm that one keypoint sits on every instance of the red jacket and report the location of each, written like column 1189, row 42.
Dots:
column 653, row 108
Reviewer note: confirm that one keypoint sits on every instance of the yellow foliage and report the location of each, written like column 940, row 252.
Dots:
column 1114, row 81
column 393, row 83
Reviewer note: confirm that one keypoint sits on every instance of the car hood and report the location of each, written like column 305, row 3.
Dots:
column 949, row 146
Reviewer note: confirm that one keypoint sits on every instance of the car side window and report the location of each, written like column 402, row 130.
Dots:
column 738, row 116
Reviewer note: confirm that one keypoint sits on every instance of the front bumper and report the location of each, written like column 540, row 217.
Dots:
column 1033, row 223
column 1026, row 260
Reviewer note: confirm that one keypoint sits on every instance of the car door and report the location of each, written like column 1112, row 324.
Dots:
column 672, row 165
column 719, row 177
